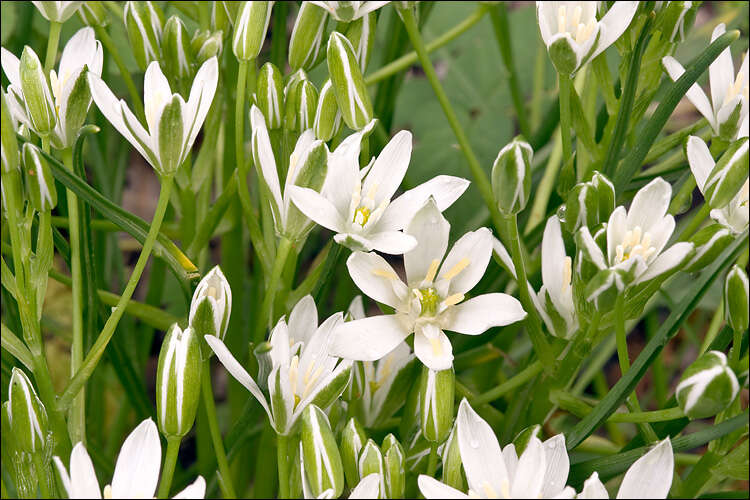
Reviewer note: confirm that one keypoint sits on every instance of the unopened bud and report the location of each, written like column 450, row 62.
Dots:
column 36, row 92
column 361, row 33
column 321, row 457
column 709, row 242
column 250, row 28
column 307, row 35
column 269, row 95
column 707, row 387
column 736, row 299
column 178, row 54
column 675, row 19
column 436, row 403
column 327, row 116
column 452, row 475
column 511, row 177
column 394, row 466
column 8, row 141
column 728, row 175
column 353, row 439
column 27, row 415
column 306, row 105
column 371, row 462
column 222, row 16
column 40, row 184
column 589, row 203
column 209, row 48
column 144, row 22
column 291, row 96
column 93, row 14
column 211, row 305
column 348, row 82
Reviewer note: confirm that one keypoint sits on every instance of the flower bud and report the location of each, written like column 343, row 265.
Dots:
column 321, row 457
column 27, row 415
column 144, row 22
column 511, row 177
column 307, row 34
column 209, row 47
column 211, row 305
column 40, row 185
column 353, row 438
column 371, row 462
column 589, row 203
column 736, row 299
column 306, row 105
column 291, row 96
column 394, row 466
column 222, row 16
column 327, row 116
column 8, row 141
column 348, row 82
column 728, row 175
column 250, row 28
column 452, row 475
column 93, row 14
column 707, row 387
column 675, row 19
column 436, row 403
column 361, row 33
column 709, row 242
column 269, row 94
column 178, row 54
column 36, row 92
column 178, row 381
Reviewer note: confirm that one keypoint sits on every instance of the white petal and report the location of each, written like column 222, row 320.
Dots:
column 369, row 7
column 368, row 487
column 553, row 260
column 499, row 249
column 199, row 102
column 317, row 208
column 235, row 368
column 480, row 452
column 83, row 482
column 567, row 492
column 343, row 170
column 11, row 65
column 542, row 19
column 356, row 308
column 666, row 261
column 392, row 242
column 591, row 248
column 367, row 339
column 432, row 488
column 511, row 459
column 303, row 320
column 593, row 488
column 479, row 314
column 721, row 71
column 651, row 475
column 613, row 24
column 649, row 204
column 137, row 469
column 281, row 344
column 432, row 347
column 65, row 478
column 694, row 94
column 263, row 154
column 529, row 478
column 197, row 489
column 375, row 277
column 156, row 94
column 558, row 466
column 431, row 231
column 700, row 160
column 476, row 248
column 389, row 169
column 660, row 232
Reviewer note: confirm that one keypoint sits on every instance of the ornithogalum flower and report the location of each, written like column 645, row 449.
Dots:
column 298, row 367
column 136, row 471
column 540, row 472
column 58, row 12
column 429, row 301
column 357, row 204
column 573, row 34
column 68, row 93
column 649, row 477
column 349, row 11
column 733, row 215
column 172, row 124
column 727, row 111
column 212, row 302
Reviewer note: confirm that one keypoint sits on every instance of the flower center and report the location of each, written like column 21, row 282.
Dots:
column 635, row 243
column 569, row 21
column 361, row 216
column 429, row 300
column 365, row 206
column 309, row 378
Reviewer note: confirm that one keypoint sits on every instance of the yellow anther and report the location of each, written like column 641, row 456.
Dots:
column 385, row 273
column 107, row 491
column 577, row 11
column 561, row 24
column 452, row 300
column 453, row 271
column 489, row 491
column 372, row 191
column 567, row 273
column 432, row 271
column 211, row 292
column 361, row 216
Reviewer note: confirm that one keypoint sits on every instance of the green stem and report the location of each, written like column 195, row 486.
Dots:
column 207, row 394
column 695, row 222
column 648, row 416
column 517, row 380
column 170, row 461
column 266, row 317
column 537, row 95
column 432, row 461
column 239, row 122
column 97, row 350
column 42, row 475
column 736, row 348
column 322, row 282
column 565, row 120
column 282, row 458
column 111, row 50
column 52, row 42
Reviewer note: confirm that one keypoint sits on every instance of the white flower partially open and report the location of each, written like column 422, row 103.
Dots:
column 136, row 471
column 727, row 111
column 173, row 124
column 430, row 299
column 349, row 11
column 358, row 206
column 540, row 472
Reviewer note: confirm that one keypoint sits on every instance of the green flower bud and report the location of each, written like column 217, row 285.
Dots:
column 307, row 34
column 511, row 177
column 348, row 82
column 178, row 381
column 306, row 105
column 353, row 438
column 27, row 415
column 222, row 16
column 327, row 116
column 522, row 439
column 361, row 33
column 36, row 92
column 736, row 299
column 728, row 175
column 269, row 95
column 707, row 387
column 178, row 54
column 452, row 474
column 589, row 203
column 144, row 22
column 436, row 403
column 8, row 141
column 371, row 462
column 250, row 28
column 93, row 14
column 211, row 305
column 40, row 184
column 709, row 242
column 291, row 97
column 209, row 48
column 675, row 19
column 323, row 467
column 394, row 466
column 604, row 288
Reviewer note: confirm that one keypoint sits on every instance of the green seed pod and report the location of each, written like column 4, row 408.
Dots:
column 707, row 387
column 348, row 82
column 736, row 299
column 563, row 56
column 353, row 438
column 522, row 439
column 262, row 353
column 327, row 116
column 307, row 104
column 40, row 184
column 361, row 33
column 144, row 22
column 93, row 14
column 170, row 136
column 589, row 203
column 250, row 28
column 307, row 35
column 211, row 307
column 178, row 54
column 178, row 381
column 269, row 95
column 436, row 403
column 27, row 415
column 728, row 175
column 452, row 474
column 73, row 116
column 8, row 141
column 323, row 467
column 709, row 242
column 511, row 177
column 36, row 92
column 394, row 465
column 209, row 48
column 371, row 462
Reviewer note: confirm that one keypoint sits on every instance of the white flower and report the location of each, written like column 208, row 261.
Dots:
column 540, row 472
column 82, row 50
column 573, row 34
column 173, row 124
column 368, row 487
column 214, row 288
column 57, row 11
column 361, row 211
column 349, row 11
column 301, row 366
column 735, row 214
column 727, row 110
column 649, row 477
column 637, row 236
column 136, row 471
column 429, row 300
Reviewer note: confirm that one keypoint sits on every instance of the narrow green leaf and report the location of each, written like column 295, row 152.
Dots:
column 16, row 347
